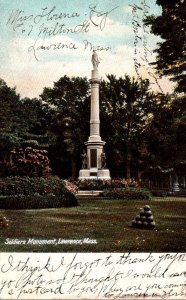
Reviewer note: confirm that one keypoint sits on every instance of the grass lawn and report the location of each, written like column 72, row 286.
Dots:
column 106, row 221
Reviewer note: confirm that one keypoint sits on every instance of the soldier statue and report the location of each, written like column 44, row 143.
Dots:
column 84, row 160
column 95, row 60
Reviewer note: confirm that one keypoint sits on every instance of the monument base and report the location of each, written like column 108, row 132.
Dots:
column 175, row 187
column 94, row 174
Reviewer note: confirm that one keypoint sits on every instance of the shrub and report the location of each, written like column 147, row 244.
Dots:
column 127, row 193
column 159, row 193
column 25, row 192
column 71, row 187
column 105, row 184
column 29, row 186
column 27, row 161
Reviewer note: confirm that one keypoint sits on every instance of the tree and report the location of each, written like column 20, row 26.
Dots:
column 9, row 102
column 23, row 122
column 69, row 106
column 35, row 124
column 171, row 51
column 124, row 116
column 158, row 133
column 10, row 122
column 166, row 139
column 179, row 135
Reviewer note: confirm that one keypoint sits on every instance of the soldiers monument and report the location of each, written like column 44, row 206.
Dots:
column 94, row 160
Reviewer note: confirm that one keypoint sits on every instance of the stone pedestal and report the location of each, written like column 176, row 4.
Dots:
column 175, row 187
column 94, row 173
column 94, row 169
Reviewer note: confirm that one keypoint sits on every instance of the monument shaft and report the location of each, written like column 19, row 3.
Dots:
column 95, row 157
column 94, row 115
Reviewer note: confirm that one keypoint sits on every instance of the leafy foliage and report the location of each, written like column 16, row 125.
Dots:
column 68, row 103
column 105, row 184
column 26, row 193
column 22, row 122
column 30, row 186
column 171, row 51
column 165, row 135
column 127, row 193
column 27, row 162
column 143, row 131
column 124, row 115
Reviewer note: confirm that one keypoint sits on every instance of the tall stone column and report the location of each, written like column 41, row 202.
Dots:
column 94, row 114
column 95, row 168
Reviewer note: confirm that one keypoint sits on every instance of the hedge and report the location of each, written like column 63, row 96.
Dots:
column 28, row 186
column 26, row 193
column 97, row 184
column 127, row 193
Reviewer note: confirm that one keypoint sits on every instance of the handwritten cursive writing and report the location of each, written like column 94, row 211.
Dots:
column 100, row 15
column 19, row 18
column 104, row 275
column 49, row 24
column 142, row 52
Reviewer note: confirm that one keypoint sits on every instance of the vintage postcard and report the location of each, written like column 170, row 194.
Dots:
column 92, row 149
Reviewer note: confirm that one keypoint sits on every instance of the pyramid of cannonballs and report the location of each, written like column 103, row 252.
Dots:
column 144, row 219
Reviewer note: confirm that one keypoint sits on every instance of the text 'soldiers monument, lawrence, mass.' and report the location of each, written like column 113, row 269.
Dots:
column 94, row 161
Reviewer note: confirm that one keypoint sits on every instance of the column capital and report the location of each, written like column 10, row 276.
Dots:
column 94, row 81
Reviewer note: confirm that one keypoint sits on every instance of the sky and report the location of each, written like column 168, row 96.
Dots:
column 43, row 40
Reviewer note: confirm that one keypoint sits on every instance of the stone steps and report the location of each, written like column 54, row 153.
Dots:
column 86, row 195
column 88, row 192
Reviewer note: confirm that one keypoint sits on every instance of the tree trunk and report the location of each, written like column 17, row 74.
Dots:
column 128, row 162
column 139, row 174
column 73, row 168
column 128, row 168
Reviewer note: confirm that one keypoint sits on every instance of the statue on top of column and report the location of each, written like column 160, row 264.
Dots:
column 95, row 60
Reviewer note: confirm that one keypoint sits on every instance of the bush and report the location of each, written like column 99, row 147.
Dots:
column 36, row 201
column 29, row 186
column 127, row 193
column 105, row 184
column 25, row 192
column 159, row 193
column 28, row 162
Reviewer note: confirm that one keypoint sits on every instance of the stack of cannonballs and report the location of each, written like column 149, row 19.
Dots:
column 144, row 219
